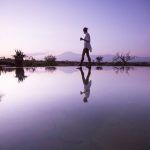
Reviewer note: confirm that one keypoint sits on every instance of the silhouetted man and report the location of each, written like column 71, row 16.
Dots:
column 87, row 84
column 87, row 46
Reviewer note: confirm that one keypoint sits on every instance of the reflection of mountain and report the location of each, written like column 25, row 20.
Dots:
column 67, row 69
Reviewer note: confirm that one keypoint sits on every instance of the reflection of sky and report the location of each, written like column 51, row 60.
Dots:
column 55, row 26
column 46, row 110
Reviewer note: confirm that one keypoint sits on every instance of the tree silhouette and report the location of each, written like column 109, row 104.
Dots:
column 123, row 58
column 99, row 59
column 19, row 58
column 50, row 60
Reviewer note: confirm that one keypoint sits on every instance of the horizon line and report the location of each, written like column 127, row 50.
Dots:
column 40, row 53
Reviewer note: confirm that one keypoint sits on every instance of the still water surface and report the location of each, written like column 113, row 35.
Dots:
column 68, row 109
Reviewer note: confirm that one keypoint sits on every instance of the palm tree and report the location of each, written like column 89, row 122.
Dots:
column 19, row 58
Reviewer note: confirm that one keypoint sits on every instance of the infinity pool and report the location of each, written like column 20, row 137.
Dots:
column 65, row 108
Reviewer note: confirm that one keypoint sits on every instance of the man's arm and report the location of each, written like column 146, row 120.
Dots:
column 81, row 39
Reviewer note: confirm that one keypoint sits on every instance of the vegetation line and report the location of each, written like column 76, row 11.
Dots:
column 22, row 60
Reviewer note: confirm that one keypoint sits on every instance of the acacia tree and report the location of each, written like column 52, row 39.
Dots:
column 123, row 58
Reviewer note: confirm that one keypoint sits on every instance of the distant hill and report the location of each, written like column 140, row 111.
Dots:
column 106, row 58
column 70, row 56
column 76, row 57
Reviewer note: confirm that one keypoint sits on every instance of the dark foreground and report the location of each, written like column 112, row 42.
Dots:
column 42, row 63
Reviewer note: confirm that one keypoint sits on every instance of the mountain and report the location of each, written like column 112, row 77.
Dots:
column 70, row 56
column 141, row 59
column 39, row 55
column 106, row 58
column 77, row 57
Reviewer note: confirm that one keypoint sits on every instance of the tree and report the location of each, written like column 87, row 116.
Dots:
column 99, row 59
column 30, row 61
column 50, row 60
column 19, row 58
column 123, row 58
column 19, row 53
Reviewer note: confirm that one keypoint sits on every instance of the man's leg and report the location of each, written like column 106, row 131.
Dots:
column 88, row 76
column 82, row 58
column 88, row 56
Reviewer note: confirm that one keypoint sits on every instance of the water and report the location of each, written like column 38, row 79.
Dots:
column 61, row 109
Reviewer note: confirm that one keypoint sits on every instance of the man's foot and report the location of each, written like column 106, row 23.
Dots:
column 80, row 64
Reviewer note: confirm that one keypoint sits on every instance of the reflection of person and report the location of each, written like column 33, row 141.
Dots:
column 87, row 84
column 87, row 46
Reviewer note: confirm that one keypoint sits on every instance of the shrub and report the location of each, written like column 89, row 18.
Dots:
column 50, row 60
column 99, row 59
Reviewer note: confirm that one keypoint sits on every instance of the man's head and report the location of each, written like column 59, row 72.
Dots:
column 85, row 30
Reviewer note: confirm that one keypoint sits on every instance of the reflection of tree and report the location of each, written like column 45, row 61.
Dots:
column 20, row 74
column 31, row 69
column 50, row 69
column 6, row 69
column 123, row 69
column 99, row 68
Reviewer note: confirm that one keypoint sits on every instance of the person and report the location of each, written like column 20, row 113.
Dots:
column 87, row 46
column 87, row 84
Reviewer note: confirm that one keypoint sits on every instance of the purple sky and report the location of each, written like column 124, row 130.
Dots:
column 56, row 26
